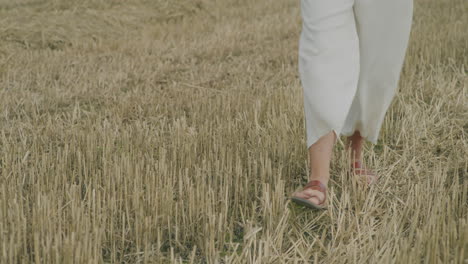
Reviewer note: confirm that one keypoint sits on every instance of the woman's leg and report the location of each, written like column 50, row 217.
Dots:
column 383, row 28
column 329, row 69
column 354, row 146
column 320, row 154
column 328, row 65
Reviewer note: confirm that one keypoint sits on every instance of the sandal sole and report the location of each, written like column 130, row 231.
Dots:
column 307, row 203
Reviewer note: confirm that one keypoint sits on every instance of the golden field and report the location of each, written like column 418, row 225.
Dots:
column 162, row 131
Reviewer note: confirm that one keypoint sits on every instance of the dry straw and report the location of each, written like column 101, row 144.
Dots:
column 173, row 132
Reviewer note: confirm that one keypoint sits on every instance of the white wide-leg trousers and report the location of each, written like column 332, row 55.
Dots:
column 350, row 57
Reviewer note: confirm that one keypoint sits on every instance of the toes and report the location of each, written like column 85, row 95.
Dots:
column 314, row 193
column 302, row 194
column 314, row 200
column 313, row 196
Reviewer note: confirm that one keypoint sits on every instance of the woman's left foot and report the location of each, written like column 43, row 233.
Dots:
column 354, row 145
column 370, row 176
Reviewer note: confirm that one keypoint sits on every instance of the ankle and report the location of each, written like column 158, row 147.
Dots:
column 322, row 177
column 356, row 159
column 354, row 145
column 356, row 164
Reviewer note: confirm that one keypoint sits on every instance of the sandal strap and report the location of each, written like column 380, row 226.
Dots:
column 318, row 186
column 357, row 165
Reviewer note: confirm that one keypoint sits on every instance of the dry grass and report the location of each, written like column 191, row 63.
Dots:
column 173, row 131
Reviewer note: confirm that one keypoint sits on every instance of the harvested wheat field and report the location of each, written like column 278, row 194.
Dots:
column 162, row 131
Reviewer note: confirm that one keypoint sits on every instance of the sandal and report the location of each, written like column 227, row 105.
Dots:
column 359, row 170
column 313, row 185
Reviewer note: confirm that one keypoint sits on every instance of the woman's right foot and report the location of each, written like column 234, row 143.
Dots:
column 314, row 191
column 313, row 194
